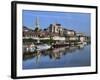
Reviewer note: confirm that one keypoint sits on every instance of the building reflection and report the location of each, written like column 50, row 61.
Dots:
column 54, row 54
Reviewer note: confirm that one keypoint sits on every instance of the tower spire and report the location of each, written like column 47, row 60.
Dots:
column 37, row 26
column 37, row 22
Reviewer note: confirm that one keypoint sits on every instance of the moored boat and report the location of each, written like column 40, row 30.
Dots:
column 43, row 46
column 28, row 48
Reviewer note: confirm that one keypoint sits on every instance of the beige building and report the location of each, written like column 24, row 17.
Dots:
column 73, row 38
column 55, row 28
column 70, row 32
column 82, row 38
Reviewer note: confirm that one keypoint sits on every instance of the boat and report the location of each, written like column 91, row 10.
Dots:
column 42, row 46
column 29, row 48
column 84, row 43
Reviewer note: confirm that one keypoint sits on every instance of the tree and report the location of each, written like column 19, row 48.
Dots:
column 36, row 29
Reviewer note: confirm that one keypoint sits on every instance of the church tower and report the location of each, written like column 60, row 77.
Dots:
column 37, row 22
column 37, row 26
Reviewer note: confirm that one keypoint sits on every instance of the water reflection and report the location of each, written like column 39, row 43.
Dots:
column 69, row 56
column 55, row 53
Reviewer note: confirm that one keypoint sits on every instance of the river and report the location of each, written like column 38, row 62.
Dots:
column 73, row 56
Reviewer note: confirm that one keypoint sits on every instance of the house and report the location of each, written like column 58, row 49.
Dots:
column 73, row 38
column 81, row 37
column 30, row 34
column 58, row 38
column 71, row 33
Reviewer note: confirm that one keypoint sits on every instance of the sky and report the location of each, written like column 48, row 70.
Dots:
column 80, row 22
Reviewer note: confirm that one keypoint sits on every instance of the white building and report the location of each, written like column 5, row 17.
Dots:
column 58, row 38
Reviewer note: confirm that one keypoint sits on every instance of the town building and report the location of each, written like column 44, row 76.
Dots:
column 81, row 37
column 55, row 28
column 54, row 31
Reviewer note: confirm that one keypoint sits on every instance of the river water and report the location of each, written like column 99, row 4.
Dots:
column 73, row 56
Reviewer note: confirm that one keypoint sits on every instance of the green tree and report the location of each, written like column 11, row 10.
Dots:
column 36, row 29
